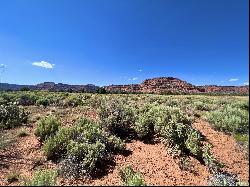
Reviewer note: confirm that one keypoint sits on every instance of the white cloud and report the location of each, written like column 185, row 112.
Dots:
column 246, row 83
column 140, row 70
column 44, row 64
column 133, row 79
column 233, row 79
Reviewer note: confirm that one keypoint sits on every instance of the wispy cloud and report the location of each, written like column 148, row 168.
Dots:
column 3, row 66
column 233, row 79
column 133, row 79
column 44, row 64
column 246, row 83
column 140, row 70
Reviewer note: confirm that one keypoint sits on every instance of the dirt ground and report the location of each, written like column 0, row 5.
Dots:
column 24, row 156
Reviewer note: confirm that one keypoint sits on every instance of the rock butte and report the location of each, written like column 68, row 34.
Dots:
column 173, row 85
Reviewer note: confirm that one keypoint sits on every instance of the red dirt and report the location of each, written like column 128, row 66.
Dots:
column 226, row 150
column 156, row 166
column 20, row 157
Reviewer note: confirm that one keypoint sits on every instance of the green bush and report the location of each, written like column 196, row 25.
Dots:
column 6, row 98
column 229, row 119
column 82, row 147
column 174, row 126
column 26, row 99
column 115, row 143
column 47, row 127
column 116, row 117
column 73, row 101
column 193, row 142
column 145, row 121
column 43, row 101
column 56, row 146
column 43, row 178
column 131, row 178
column 82, row 158
column 203, row 106
column 209, row 159
column 12, row 116
column 89, row 146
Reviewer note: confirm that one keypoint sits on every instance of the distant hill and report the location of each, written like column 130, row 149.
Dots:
column 173, row 85
column 160, row 85
column 51, row 86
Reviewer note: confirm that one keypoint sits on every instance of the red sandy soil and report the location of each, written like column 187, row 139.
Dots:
column 226, row 150
column 152, row 160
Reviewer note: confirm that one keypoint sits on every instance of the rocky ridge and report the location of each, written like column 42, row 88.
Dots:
column 161, row 85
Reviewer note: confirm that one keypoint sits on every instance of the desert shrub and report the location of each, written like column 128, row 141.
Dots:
column 116, row 117
column 89, row 146
column 189, row 110
column 222, row 179
column 203, row 106
column 12, row 116
column 73, row 101
column 2, row 101
column 184, row 163
column 43, row 178
column 55, row 146
column 174, row 126
column 6, row 98
column 47, row 127
column 243, row 105
column 82, row 147
column 229, row 119
column 145, row 121
column 43, row 101
column 26, row 99
column 130, row 177
column 82, row 158
column 209, row 159
column 173, row 102
column 193, row 142
column 243, row 140
column 95, row 101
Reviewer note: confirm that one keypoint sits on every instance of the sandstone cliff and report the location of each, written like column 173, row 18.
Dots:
column 174, row 85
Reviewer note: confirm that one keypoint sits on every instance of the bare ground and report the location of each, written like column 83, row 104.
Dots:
column 226, row 150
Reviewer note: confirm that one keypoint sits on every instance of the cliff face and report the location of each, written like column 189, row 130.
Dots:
column 157, row 85
column 174, row 85
column 167, row 84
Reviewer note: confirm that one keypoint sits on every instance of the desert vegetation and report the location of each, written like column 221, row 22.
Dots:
column 94, row 139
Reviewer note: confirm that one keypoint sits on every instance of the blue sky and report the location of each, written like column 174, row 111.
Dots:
column 124, row 41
